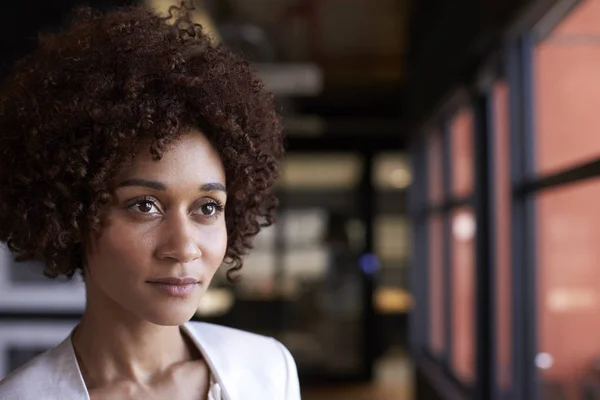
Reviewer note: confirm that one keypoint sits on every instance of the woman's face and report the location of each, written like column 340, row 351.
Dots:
column 165, row 235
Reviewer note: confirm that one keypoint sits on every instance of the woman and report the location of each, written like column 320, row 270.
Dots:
column 136, row 152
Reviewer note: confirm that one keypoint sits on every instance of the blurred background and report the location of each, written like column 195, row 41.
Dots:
column 439, row 227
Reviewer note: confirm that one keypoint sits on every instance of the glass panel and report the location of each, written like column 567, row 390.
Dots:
column 461, row 134
column 568, row 281
column 567, row 91
column 436, row 285
column 436, row 167
column 463, row 294
column 502, row 246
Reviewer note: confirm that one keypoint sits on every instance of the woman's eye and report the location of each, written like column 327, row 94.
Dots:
column 145, row 207
column 210, row 209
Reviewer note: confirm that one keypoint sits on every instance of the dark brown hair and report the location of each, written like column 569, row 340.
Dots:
column 75, row 111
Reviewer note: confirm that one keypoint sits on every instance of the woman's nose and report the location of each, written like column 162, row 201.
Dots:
column 180, row 243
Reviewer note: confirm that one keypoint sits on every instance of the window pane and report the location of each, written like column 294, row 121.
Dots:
column 461, row 133
column 502, row 246
column 463, row 294
column 435, row 165
column 436, row 284
column 568, row 281
column 567, row 91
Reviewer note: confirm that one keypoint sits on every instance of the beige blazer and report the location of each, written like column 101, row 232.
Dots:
column 244, row 365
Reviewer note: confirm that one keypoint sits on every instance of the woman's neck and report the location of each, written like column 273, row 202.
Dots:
column 113, row 345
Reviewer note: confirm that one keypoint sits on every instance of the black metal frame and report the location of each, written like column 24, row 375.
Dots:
column 484, row 279
column 525, row 204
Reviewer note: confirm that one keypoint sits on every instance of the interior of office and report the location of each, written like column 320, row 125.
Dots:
column 438, row 223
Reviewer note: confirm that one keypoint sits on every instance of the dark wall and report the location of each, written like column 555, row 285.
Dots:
column 447, row 41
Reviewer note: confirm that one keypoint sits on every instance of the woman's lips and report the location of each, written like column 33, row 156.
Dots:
column 176, row 287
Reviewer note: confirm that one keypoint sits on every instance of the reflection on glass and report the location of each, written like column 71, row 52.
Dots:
column 502, row 252
column 436, row 284
column 567, row 91
column 463, row 294
column 569, row 289
column 461, row 153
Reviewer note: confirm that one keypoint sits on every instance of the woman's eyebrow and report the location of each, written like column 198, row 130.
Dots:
column 143, row 182
column 213, row 187
column 207, row 187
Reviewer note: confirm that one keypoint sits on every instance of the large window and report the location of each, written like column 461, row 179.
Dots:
column 513, row 219
column 566, row 91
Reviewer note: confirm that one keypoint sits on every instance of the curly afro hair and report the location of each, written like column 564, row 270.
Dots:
column 76, row 110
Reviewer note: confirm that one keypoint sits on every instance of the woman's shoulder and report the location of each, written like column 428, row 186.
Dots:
column 45, row 376
column 243, row 358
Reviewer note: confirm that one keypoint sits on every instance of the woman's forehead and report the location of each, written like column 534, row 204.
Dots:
column 191, row 155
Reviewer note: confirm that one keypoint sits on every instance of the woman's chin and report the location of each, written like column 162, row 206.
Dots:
column 170, row 316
